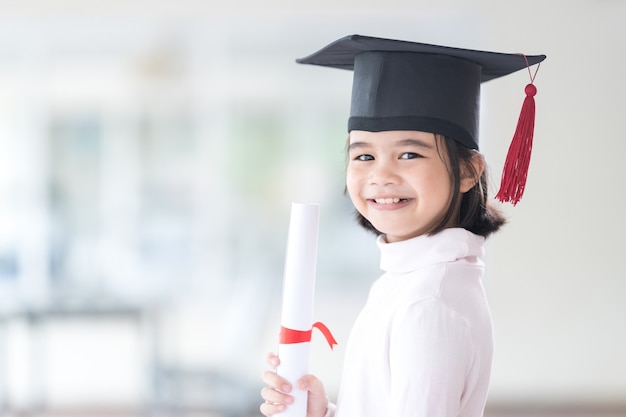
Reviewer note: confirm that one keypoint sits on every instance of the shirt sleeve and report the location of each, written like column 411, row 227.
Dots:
column 430, row 353
column 330, row 411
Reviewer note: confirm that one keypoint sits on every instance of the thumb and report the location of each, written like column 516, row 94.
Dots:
column 317, row 400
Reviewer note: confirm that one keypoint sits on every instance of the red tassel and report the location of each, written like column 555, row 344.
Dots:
column 515, row 170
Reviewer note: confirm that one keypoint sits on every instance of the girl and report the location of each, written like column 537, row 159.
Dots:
column 422, row 345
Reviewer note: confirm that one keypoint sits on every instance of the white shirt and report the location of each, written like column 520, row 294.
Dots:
column 423, row 343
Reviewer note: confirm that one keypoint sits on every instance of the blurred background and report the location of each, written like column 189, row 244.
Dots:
column 149, row 155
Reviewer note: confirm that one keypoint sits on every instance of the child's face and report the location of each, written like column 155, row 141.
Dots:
column 398, row 181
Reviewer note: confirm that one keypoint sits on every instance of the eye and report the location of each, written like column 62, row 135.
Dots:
column 410, row 155
column 364, row 157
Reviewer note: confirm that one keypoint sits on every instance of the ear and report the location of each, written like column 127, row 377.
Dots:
column 470, row 173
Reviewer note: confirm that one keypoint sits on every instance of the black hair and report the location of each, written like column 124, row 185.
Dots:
column 474, row 212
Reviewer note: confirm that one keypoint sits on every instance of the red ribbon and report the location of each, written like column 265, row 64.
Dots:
column 290, row 336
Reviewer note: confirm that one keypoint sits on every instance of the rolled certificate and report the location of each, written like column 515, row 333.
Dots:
column 298, row 295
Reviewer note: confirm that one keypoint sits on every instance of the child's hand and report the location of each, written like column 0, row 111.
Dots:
column 276, row 394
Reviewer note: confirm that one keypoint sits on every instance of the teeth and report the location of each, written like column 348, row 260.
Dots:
column 387, row 200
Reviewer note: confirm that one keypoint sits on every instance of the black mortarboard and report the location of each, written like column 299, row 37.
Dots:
column 401, row 85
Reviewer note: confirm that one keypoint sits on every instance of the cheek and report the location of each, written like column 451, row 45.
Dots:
column 438, row 186
column 352, row 187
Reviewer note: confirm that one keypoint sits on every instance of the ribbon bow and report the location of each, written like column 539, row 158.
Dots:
column 290, row 336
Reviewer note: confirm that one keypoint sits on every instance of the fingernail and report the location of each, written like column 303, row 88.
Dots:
column 286, row 388
column 303, row 384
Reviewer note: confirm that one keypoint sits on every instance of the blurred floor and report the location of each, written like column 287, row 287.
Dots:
column 499, row 411
column 555, row 411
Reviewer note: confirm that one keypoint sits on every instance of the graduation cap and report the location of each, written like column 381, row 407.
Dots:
column 401, row 85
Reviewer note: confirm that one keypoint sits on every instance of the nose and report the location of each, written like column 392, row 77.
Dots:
column 383, row 173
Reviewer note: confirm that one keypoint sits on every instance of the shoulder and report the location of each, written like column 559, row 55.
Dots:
column 434, row 329
column 431, row 315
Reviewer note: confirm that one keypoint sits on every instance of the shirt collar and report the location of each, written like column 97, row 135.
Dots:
column 446, row 246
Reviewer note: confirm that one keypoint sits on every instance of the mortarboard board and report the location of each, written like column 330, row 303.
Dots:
column 401, row 85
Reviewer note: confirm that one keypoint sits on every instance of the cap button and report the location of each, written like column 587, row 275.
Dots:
column 531, row 90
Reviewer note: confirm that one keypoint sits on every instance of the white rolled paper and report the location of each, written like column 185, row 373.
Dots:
column 298, row 296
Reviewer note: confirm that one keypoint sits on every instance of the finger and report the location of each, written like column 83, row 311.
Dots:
column 270, row 395
column 312, row 384
column 276, row 381
column 317, row 399
column 272, row 360
column 269, row 409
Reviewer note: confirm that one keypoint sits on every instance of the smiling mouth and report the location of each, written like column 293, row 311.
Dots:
column 390, row 200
